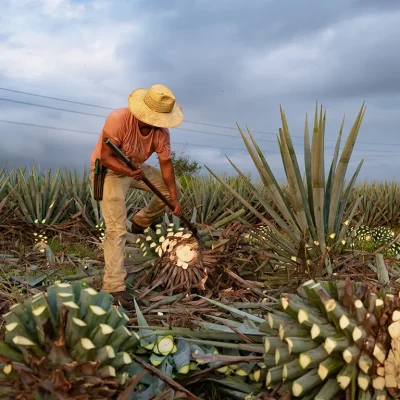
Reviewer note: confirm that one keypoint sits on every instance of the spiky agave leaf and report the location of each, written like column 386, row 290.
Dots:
column 313, row 209
column 41, row 197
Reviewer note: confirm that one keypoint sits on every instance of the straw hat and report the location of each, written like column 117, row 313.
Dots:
column 156, row 106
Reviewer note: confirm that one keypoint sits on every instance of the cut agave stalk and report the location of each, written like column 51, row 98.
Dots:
column 300, row 345
column 88, row 298
column 329, row 391
column 345, row 375
column 329, row 366
column 119, row 336
column 260, row 375
column 24, row 344
column 44, row 322
column 101, row 334
column 292, row 370
column 105, row 354
column 156, row 360
column 95, row 316
column 274, row 375
column 107, row 371
column 122, row 361
column 339, row 342
column 182, row 357
column 313, row 357
column 305, row 383
column 272, row 343
column 84, row 350
column 244, row 369
column 165, row 345
column 76, row 329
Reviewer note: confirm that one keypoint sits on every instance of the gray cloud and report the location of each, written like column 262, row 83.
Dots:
column 227, row 62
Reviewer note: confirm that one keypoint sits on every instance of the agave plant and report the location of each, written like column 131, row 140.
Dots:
column 42, row 199
column 5, row 194
column 309, row 221
column 380, row 204
column 77, row 186
column 211, row 200
column 371, row 239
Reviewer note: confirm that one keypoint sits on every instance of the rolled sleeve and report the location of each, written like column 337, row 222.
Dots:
column 113, row 128
column 164, row 148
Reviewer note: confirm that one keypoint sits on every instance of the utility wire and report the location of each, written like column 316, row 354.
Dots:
column 188, row 121
column 97, row 133
column 52, row 108
column 110, row 108
column 56, row 98
column 180, row 143
column 104, row 116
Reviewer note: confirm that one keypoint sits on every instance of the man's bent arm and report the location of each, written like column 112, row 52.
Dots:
column 108, row 159
column 168, row 174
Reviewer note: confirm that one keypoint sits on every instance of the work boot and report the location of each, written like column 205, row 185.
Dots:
column 123, row 299
column 137, row 229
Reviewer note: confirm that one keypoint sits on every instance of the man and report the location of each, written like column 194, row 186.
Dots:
column 139, row 130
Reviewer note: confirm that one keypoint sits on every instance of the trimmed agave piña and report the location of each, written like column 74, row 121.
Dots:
column 183, row 263
column 334, row 337
column 70, row 342
column 308, row 222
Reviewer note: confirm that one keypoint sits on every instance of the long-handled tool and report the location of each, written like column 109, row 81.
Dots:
column 118, row 153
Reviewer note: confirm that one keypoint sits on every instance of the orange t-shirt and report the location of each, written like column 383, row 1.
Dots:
column 122, row 128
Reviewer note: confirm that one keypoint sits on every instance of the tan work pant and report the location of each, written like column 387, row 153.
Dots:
column 116, row 222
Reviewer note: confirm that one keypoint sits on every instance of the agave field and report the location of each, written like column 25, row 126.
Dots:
column 292, row 292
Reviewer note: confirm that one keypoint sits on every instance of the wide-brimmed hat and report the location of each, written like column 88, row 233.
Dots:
column 156, row 106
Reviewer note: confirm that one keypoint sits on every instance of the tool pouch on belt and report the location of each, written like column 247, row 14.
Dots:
column 99, row 176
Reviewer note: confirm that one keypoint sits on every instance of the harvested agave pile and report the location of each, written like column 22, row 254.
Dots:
column 72, row 343
column 339, row 336
column 334, row 340
column 66, row 343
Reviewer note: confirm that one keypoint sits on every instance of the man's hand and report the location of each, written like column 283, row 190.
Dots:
column 137, row 175
column 177, row 208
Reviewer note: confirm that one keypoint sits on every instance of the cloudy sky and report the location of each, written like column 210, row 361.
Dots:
column 227, row 61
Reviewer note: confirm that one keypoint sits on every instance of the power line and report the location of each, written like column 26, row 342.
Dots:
column 222, row 134
column 180, row 143
column 52, row 108
column 56, row 98
column 110, row 108
column 188, row 121
column 97, row 133
column 104, row 116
